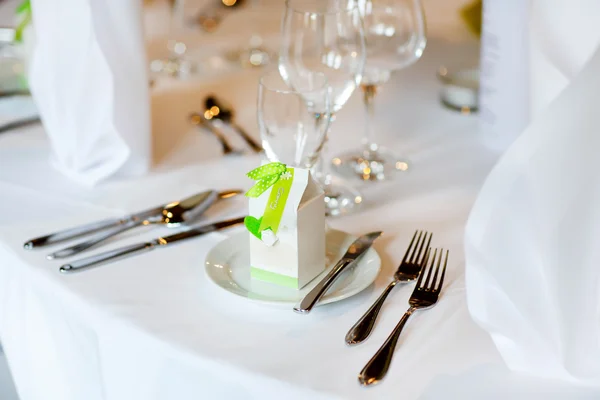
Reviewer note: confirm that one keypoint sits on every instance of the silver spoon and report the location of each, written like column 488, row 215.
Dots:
column 218, row 110
column 174, row 214
column 201, row 120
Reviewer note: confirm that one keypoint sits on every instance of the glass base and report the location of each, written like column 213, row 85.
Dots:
column 370, row 165
column 341, row 200
column 173, row 67
column 250, row 57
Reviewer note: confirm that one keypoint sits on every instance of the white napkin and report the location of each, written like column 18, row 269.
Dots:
column 88, row 76
column 563, row 35
column 533, row 241
column 530, row 52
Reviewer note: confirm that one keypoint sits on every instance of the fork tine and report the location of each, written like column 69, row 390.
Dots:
column 416, row 252
column 409, row 246
column 437, row 269
column 415, row 247
column 427, row 280
column 423, row 269
column 443, row 271
column 422, row 259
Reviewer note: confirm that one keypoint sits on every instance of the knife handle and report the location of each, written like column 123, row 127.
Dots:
column 106, row 257
column 309, row 301
column 74, row 233
column 96, row 240
column 257, row 148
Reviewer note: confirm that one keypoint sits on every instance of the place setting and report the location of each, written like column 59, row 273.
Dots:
column 288, row 256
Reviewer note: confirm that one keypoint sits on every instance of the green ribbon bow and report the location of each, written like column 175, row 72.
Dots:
column 267, row 176
column 280, row 177
column 23, row 9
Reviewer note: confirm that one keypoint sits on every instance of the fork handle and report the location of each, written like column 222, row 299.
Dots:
column 362, row 329
column 377, row 367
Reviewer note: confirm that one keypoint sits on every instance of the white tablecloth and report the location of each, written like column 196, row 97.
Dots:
column 154, row 327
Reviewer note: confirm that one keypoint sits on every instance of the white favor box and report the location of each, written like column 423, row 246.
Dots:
column 298, row 255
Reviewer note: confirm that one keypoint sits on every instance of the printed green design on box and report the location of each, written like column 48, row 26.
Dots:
column 277, row 199
column 272, row 277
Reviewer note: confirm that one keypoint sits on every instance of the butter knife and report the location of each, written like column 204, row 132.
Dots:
column 94, row 227
column 353, row 255
column 122, row 252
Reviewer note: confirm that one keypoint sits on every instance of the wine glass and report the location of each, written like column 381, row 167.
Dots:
column 325, row 36
column 395, row 38
column 293, row 121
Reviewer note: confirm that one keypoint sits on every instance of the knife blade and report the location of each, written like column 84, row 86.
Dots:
column 122, row 252
column 354, row 253
column 98, row 226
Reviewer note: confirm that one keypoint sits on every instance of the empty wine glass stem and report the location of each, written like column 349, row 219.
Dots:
column 321, row 169
column 369, row 92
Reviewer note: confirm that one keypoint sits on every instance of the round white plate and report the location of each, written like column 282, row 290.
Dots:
column 228, row 265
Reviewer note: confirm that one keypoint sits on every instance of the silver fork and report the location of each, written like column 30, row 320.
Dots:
column 424, row 296
column 407, row 271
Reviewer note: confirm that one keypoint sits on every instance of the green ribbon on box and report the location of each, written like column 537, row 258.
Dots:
column 23, row 9
column 277, row 199
column 280, row 178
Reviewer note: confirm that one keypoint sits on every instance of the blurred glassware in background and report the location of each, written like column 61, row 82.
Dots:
column 189, row 17
column 395, row 37
column 460, row 89
column 294, row 121
column 325, row 36
column 460, row 83
column 254, row 53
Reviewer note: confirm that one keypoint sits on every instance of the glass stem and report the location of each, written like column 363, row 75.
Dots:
column 369, row 92
column 321, row 169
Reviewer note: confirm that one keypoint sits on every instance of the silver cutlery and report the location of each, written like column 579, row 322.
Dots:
column 98, row 226
column 353, row 255
column 407, row 271
column 117, row 254
column 424, row 296
column 173, row 215
column 14, row 92
column 201, row 120
column 19, row 123
column 218, row 110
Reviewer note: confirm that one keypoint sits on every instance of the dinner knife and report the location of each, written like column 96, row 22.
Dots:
column 94, row 227
column 123, row 252
column 353, row 255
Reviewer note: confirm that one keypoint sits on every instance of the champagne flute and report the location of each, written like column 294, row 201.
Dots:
column 395, row 38
column 325, row 36
column 293, row 121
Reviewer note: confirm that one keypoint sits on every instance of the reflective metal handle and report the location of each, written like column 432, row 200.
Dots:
column 19, row 123
column 309, row 301
column 362, row 329
column 79, row 247
column 257, row 148
column 74, row 233
column 377, row 367
column 106, row 257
